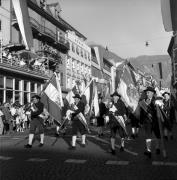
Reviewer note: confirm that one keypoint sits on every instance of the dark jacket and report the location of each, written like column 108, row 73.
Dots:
column 147, row 112
column 121, row 108
column 80, row 109
column 39, row 109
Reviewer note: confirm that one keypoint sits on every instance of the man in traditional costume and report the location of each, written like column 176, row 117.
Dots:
column 149, row 120
column 37, row 108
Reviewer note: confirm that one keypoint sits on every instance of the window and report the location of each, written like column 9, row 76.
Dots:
column 85, row 55
column 17, row 84
column 68, row 63
column 32, row 87
column 73, row 48
column 1, row 96
column 1, row 82
column 9, row 83
column 26, row 86
column 77, row 50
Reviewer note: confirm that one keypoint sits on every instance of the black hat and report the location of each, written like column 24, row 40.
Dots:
column 36, row 96
column 77, row 96
column 166, row 93
column 115, row 94
column 149, row 88
column 100, row 96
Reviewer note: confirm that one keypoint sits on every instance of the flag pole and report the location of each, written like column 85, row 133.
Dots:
column 87, row 87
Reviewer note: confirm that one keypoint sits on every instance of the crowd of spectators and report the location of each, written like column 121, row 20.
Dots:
column 16, row 117
column 30, row 64
column 13, row 117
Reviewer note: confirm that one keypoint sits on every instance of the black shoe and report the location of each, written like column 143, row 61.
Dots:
column 112, row 151
column 27, row 146
column 72, row 148
column 57, row 134
column 158, row 151
column 133, row 136
column 166, row 138
column 41, row 145
column 83, row 145
column 148, row 154
column 121, row 149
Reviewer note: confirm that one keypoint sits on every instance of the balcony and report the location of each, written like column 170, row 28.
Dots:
column 13, row 65
column 45, row 34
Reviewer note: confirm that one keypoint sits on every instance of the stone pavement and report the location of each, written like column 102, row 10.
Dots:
column 55, row 161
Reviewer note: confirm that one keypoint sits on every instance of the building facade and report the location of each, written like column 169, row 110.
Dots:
column 103, row 67
column 78, row 64
column 50, row 43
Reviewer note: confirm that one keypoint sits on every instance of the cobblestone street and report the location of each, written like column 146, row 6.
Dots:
column 56, row 161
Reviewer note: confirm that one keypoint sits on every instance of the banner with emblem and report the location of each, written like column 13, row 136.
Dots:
column 51, row 97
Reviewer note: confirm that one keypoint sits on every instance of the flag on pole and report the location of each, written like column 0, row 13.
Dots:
column 88, row 92
column 70, row 95
column 21, row 11
column 95, row 101
column 127, row 88
column 169, row 14
column 51, row 97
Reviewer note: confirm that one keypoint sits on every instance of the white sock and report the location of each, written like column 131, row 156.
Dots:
column 57, row 128
column 148, row 145
column 31, row 136
column 74, row 140
column 133, row 130
column 42, row 138
column 122, row 142
column 113, row 143
column 83, row 138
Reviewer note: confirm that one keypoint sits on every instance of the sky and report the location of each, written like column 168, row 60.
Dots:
column 123, row 26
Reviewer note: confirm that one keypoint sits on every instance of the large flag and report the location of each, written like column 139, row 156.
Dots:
column 70, row 95
column 21, row 11
column 95, row 102
column 169, row 14
column 127, row 88
column 91, row 94
column 51, row 96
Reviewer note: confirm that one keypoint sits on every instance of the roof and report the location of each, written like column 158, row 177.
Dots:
column 106, row 54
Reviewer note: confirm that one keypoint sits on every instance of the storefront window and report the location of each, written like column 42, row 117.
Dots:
column 17, row 84
column 9, row 95
column 17, row 96
column 32, row 87
column 1, row 82
column 9, row 83
column 26, row 86
column 1, row 96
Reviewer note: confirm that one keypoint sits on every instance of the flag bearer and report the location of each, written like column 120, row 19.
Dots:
column 37, row 108
column 117, row 118
column 78, row 122
column 149, row 121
